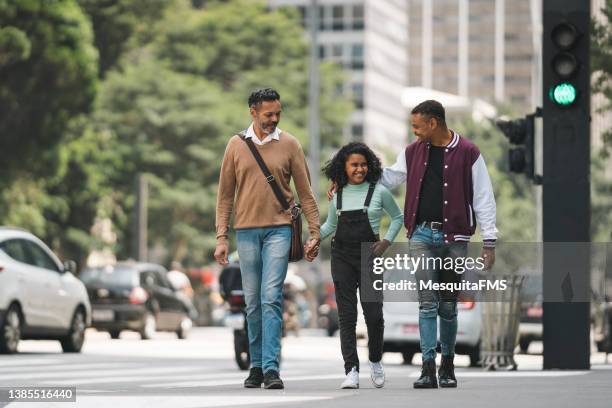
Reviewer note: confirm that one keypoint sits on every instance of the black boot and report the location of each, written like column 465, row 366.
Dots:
column 255, row 378
column 446, row 374
column 428, row 375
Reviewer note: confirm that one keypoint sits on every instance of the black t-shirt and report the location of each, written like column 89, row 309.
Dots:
column 430, row 198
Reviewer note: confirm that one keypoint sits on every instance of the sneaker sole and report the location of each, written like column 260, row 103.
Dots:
column 377, row 385
column 448, row 386
column 349, row 387
column 274, row 386
column 252, row 386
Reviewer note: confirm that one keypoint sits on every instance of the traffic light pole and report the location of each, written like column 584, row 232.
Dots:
column 566, row 185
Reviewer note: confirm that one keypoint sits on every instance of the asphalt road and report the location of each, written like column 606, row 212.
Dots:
column 200, row 372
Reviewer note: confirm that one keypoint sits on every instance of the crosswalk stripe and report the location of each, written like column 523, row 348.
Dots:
column 236, row 376
column 5, row 362
column 216, row 383
column 99, row 373
column 512, row 374
column 163, row 401
column 65, row 366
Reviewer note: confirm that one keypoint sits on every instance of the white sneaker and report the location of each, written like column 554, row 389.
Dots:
column 352, row 380
column 377, row 374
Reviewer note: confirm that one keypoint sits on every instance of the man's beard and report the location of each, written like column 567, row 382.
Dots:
column 269, row 129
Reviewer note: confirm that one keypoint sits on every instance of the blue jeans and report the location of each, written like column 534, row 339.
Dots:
column 432, row 304
column 264, row 255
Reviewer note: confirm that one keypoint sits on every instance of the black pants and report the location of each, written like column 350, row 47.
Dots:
column 346, row 273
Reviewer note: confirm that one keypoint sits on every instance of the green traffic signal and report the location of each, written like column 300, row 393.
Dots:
column 563, row 94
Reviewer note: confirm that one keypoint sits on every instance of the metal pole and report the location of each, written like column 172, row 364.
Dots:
column 566, row 197
column 313, row 100
column 140, row 220
column 313, row 118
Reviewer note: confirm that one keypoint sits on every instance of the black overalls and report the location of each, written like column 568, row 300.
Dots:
column 352, row 229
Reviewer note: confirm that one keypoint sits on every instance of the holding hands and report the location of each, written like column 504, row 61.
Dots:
column 311, row 249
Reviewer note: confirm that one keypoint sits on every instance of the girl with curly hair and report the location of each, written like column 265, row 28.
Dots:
column 354, row 215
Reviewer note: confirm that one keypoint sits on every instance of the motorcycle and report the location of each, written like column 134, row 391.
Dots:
column 230, row 283
column 231, row 290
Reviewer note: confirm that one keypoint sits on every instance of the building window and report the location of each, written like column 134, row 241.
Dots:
column 338, row 18
column 357, row 93
column 357, row 56
column 337, row 51
column 322, row 22
column 358, row 17
column 357, row 132
column 322, row 53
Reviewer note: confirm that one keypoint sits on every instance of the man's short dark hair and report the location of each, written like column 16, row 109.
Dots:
column 260, row 95
column 431, row 109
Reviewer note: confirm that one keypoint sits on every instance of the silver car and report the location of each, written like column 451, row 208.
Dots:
column 402, row 329
column 40, row 298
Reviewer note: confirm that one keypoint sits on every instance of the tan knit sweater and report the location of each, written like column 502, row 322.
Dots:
column 244, row 190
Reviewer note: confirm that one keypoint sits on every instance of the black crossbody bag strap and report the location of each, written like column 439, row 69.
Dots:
column 269, row 177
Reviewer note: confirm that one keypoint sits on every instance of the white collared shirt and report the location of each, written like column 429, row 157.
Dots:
column 250, row 133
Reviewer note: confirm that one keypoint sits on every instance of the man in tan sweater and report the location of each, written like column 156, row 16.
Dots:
column 263, row 227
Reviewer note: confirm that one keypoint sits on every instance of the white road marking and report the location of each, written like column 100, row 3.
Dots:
column 216, row 383
column 98, row 373
column 163, row 401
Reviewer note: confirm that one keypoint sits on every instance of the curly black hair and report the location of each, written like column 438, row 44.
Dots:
column 260, row 95
column 334, row 169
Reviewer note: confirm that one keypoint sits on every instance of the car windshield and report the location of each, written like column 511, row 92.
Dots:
column 117, row 276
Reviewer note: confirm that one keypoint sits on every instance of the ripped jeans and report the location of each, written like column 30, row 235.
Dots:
column 264, row 255
column 429, row 244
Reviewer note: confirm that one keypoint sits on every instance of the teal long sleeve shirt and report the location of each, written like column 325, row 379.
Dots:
column 353, row 198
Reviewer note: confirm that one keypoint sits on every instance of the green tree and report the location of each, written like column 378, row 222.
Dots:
column 243, row 45
column 49, row 69
column 601, row 60
column 171, row 112
column 172, row 127
column 516, row 211
column 120, row 25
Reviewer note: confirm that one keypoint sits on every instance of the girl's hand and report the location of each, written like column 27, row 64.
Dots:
column 379, row 248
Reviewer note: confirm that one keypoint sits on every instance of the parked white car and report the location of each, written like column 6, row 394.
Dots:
column 402, row 329
column 40, row 298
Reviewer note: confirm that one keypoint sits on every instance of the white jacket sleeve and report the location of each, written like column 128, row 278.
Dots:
column 395, row 175
column 484, row 201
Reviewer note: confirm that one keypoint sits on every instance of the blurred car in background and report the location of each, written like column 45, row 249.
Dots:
column 402, row 329
column 40, row 298
column 136, row 296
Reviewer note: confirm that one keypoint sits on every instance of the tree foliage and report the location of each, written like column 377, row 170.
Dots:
column 120, row 25
column 171, row 111
column 49, row 69
column 601, row 60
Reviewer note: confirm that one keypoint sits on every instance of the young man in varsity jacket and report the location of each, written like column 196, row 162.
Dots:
column 448, row 192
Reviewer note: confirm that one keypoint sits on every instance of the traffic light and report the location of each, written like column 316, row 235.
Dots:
column 521, row 133
column 566, row 205
column 566, row 48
